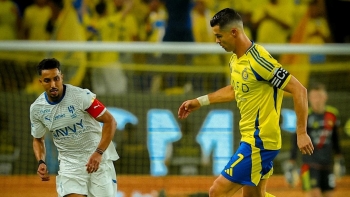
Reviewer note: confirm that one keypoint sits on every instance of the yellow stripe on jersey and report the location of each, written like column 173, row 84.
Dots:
column 258, row 80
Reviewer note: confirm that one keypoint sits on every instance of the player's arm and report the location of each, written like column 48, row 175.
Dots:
column 40, row 153
column 222, row 95
column 108, row 129
column 299, row 94
column 98, row 111
column 39, row 148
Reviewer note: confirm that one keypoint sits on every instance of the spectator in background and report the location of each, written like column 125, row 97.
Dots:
column 312, row 29
column 270, row 24
column 9, row 20
column 178, row 29
column 179, row 26
column 202, row 33
column 323, row 127
column 64, row 21
column 153, row 29
column 218, row 5
column 34, row 21
column 64, row 25
column 125, row 26
column 154, row 22
column 246, row 10
column 107, row 76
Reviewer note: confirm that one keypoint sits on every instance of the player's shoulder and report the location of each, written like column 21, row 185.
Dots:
column 39, row 101
column 78, row 93
column 76, row 90
column 257, row 51
column 258, row 55
column 259, row 58
column 333, row 110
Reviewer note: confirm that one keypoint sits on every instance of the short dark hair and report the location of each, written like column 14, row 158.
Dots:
column 317, row 86
column 48, row 63
column 224, row 17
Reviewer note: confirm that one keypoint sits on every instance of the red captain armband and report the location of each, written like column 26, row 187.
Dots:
column 96, row 108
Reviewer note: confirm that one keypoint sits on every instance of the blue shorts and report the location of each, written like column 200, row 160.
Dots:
column 249, row 165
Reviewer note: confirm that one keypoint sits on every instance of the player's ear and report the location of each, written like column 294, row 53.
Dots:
column 234, row 32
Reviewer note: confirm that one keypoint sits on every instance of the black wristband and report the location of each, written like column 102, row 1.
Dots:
column 99, row 151
column 40, row 162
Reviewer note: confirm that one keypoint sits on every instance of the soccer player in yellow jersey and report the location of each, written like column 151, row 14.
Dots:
column 257, row 85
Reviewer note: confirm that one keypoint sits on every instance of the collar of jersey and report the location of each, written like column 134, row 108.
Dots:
column 54, row 103
column 251, row 46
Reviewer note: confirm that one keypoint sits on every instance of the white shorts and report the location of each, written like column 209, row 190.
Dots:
column 102, row 183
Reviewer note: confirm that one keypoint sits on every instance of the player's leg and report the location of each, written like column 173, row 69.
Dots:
column 263, row 165
column 244, row 168
column 327, row 183
column 310, row 180
column 259, row 190
column 75, row 195
column 255, row 190
column 103, row 182
column 235, row 174
column 72, row 182
column 223, row 187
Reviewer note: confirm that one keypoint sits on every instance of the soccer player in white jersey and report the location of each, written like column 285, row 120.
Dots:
column 72, row 116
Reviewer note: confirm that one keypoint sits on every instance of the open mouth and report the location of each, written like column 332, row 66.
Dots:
column 54, row 91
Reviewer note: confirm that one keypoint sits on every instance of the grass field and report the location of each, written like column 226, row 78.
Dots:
column 172, row 186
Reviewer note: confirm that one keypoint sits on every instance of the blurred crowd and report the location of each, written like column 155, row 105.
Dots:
column 266, row 21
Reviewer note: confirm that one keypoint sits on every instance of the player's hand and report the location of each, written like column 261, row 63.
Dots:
column 187, row 107
column 94, row 162
column 43, row 172
column 304, row 143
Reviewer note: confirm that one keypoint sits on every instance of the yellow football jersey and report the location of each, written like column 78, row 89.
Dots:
column 258, row 80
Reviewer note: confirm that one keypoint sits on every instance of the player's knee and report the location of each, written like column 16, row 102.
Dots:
column 252, row 192
column 214, row 191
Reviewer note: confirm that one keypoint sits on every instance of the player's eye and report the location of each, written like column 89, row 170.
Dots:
column 46, row 80
column 57, row 78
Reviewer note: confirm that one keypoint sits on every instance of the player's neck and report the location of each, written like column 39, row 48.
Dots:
column 244, row 44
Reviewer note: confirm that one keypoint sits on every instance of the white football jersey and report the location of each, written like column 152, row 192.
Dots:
column 75, row 132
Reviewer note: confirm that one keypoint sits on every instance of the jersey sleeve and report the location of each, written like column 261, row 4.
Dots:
column 88, row 98
column 38, row 129
column 91, row 105
column 265, row 67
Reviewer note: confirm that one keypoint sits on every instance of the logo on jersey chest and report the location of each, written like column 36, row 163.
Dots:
column 72, row 111
column 44, row 111
column 68, row 130
column 245, row 74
